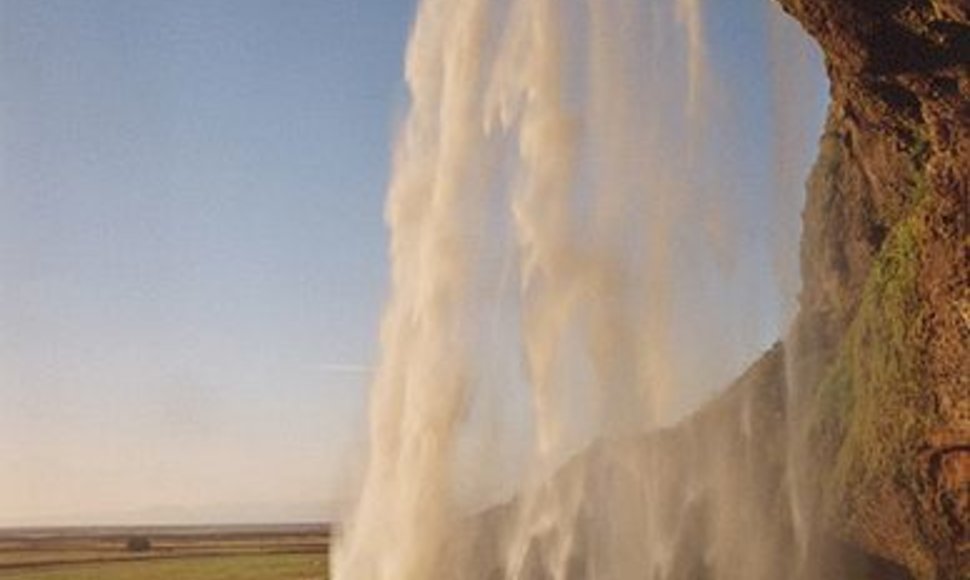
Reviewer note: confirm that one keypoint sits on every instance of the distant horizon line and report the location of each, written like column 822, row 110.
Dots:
column 294, row 513
column 106, row 529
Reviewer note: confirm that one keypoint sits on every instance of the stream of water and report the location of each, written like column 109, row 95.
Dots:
column 553, row 213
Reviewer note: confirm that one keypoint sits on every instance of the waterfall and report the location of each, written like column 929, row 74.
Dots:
column 553, row 213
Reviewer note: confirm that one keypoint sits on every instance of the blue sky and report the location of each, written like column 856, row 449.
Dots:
column 192, row 247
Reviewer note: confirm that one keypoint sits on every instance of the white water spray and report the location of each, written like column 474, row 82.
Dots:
column 580, row 124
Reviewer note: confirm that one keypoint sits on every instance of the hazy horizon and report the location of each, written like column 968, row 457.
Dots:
column 227, row 514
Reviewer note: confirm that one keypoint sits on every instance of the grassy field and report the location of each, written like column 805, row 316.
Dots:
column 269, row 553
column 248, row 567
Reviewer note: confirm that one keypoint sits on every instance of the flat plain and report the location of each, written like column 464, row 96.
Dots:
column 292, row 552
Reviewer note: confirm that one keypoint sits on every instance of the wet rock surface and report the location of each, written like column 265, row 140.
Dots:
column 881, row 340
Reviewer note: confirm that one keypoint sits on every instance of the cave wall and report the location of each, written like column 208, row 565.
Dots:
column 879, row 348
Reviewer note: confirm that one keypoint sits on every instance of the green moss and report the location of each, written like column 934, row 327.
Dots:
column 881, row 362
column 919, row 147
column 834, row 399
column 870, row 407
column 919, row 151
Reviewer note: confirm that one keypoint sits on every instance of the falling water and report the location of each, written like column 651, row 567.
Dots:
column 549, row 206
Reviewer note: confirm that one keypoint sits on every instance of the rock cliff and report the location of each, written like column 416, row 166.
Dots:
column 882, row 368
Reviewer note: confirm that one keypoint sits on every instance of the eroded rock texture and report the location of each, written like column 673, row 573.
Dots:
column 881, row 341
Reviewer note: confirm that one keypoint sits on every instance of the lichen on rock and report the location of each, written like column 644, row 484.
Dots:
column 881, row 340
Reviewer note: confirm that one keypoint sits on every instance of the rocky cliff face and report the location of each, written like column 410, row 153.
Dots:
column 880, row 346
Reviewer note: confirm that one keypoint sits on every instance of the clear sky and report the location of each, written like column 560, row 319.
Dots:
column 192, row 248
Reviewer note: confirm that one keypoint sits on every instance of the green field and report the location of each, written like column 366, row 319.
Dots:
column 267, row 553
column 229, row 567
